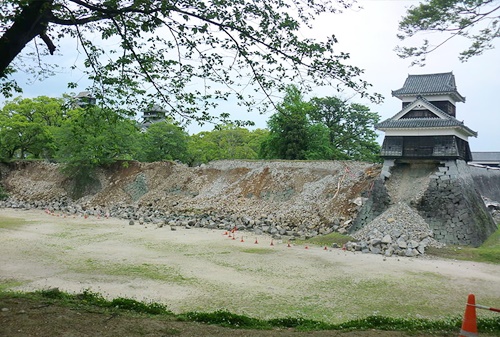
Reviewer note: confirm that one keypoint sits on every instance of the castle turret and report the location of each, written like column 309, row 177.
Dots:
column 426, row 127
column 425, row 151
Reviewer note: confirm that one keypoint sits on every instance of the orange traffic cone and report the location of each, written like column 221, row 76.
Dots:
column 272, row 243
column 225, row 233
column 242, row 239
column 326, row 248
column 256, row 242
column 469, row 324
column 307, row 247
column 289, row 245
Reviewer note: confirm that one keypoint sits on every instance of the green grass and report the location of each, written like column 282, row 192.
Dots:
column 8, row 223
column 5, row 285
column 489, row 251
column 88, row 299
column 144, row 271
column 260, row 251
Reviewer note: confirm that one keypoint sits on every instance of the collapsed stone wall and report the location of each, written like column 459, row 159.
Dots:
column 453, row 207
column 444, row 200
column 293, row 197
column 376, row 201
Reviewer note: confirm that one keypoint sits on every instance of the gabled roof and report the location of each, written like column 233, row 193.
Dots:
column 429, row 84
column 421, row 102
column 442, row 119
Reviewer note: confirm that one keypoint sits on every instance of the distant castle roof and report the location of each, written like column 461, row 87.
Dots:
column 429, row 84
column 156, row 108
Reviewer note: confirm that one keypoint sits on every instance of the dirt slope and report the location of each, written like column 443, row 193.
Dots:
column 321, row 192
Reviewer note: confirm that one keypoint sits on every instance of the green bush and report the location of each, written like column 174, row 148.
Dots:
column 3, row 193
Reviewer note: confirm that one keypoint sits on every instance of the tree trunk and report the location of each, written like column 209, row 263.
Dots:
column 32, row 21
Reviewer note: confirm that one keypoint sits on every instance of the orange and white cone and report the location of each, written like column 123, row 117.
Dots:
column 469, row 324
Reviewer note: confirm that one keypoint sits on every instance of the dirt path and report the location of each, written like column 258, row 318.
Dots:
column 204, row 270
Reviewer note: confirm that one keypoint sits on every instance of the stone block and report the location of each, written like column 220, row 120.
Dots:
column 401, row 243
column 387, row 239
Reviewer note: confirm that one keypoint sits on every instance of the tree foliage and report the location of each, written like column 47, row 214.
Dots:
column 476, row 20
column 323, row 128
column 183, row 54
column 289, row 128
column 350, row 128
column 27, row 126
column 225, row 142
column 163, row 141
column 93, row 137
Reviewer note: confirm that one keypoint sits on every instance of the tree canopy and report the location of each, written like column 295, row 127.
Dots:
column 225, row 142
column 350, row 127
column 476, row 20
column 163, row 141
column 27, row 126
column 322, row 128
column 182, row 54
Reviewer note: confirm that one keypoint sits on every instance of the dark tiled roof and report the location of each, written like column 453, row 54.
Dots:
column 417, row 123
column 428, row 84
column 425, row 123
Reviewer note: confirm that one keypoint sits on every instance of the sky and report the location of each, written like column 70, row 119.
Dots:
column 369, row 35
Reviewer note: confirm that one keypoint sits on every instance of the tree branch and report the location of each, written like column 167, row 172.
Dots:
column 31, row 22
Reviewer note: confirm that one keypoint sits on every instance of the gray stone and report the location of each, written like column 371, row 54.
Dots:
column 412, row 244
column 401, row 243
column 389, row 251
column 342, row 231
column 410, row 252
column 387, row 239
column 272, row 230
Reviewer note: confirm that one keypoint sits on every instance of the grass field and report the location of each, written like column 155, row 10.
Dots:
column 201, row 271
